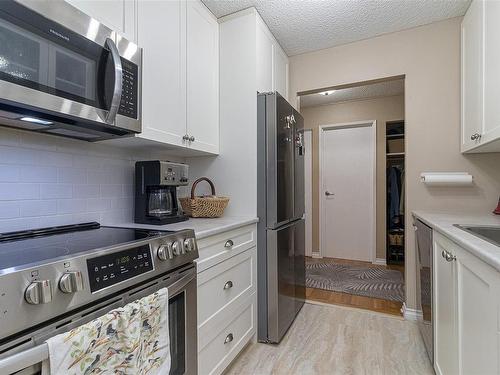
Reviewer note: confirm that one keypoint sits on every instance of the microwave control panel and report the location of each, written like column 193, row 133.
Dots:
column 111, row 269
column 130, row 78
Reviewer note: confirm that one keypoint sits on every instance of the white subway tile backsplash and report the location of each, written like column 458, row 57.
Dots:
column 56, row 191
column 98, row 204
column 72, row 175
column 86, row 191
column 71, row 206
column 9, row 173
column 38, row 208
column 47, row 181
column 111, row 191
column 28, row 173
column 15, row 191
column 9, row 210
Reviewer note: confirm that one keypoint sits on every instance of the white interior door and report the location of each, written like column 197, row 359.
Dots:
column 347, row 157
column 308, row 189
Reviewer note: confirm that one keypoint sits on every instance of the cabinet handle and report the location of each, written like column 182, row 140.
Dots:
column 185, row 138
column 191, row 139
column 449, row 257
column 229, row 243
column 475, row 137
column 228, row 338
column 228, row 285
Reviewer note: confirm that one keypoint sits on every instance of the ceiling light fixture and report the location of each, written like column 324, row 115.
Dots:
column 326, row 93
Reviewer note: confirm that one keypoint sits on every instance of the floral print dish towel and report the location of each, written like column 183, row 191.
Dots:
column 132, row 340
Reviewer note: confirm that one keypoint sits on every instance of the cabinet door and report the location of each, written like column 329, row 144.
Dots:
column 162, row 35
column 202, row 78
column 280, row 71
column 491, row 68
column 118, row 15
column 265, row 55
column 472, row 75
column 445, row 323
column 477, row 306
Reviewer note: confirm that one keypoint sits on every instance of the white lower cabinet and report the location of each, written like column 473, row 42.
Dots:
column 466, row 311
column 227, row 297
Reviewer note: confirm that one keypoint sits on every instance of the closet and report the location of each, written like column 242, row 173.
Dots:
column 395, row 172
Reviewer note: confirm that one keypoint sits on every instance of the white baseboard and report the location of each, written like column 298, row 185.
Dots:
column 380, row 261
column 411, row 314
column 316, row 255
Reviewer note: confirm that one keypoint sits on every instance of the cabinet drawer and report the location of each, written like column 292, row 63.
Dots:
column 215, row 355
column 222, row 284
column 215, row 249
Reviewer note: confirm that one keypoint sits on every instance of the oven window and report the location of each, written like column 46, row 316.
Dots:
column 177, row 329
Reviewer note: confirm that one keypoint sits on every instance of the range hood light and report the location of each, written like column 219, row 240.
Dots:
column 326, row 93
column 36, row 120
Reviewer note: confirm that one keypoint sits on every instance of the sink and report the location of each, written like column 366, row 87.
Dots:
column 488, row 233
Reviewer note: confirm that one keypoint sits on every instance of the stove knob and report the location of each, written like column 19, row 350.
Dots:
column 165, row 252
column 177, row 248
column 189, row 244
column 71, row 282
column 38, row 292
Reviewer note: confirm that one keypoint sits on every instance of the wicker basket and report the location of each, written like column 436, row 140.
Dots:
column 209, row 206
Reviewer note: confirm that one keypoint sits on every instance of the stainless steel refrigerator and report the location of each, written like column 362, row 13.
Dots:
column 281, row 229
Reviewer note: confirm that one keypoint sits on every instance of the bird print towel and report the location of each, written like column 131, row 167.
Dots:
column 132, row 340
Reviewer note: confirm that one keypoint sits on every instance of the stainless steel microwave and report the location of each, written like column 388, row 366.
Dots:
column 64, row 73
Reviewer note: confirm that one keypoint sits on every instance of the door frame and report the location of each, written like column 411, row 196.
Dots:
column 308, row 197
column 347, row 125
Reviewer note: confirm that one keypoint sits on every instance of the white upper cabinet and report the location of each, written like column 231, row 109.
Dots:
column 162, row 36
column 472, row 75
column 265, row 46
column 272, row 62
column 118, row 15
column 280, row 72
column 481, row 77
column 202, row 78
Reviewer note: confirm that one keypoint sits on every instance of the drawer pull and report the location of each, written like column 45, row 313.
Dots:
column 229, row 338
column 228, row 285
column 229, row 243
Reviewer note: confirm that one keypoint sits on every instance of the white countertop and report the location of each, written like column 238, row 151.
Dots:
column 444, row 223
column 202, row 227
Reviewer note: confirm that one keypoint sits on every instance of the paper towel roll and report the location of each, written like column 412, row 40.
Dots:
column 446, row 179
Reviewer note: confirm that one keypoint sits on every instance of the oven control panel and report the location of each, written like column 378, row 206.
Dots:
column 130, row 77
column 110, row 269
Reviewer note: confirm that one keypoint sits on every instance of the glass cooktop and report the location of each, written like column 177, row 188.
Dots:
column 38, row 246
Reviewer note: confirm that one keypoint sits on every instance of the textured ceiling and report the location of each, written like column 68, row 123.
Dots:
column 375, row 90
column 307, row 25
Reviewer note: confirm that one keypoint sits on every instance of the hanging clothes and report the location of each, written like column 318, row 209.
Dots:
column 402, row 193
column 393, row 189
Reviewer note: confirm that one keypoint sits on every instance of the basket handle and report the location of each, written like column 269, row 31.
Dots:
column 193, row 188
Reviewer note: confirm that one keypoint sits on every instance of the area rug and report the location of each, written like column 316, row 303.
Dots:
column 376, row 282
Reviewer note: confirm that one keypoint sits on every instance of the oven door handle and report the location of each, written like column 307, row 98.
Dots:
column 117, row 90
column 24, row 359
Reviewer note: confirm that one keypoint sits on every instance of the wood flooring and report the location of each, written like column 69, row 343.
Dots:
column 351, row 300
column 334, row 340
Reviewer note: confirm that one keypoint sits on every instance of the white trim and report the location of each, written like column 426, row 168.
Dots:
column 316, row 255
column 308, row 192
column 322, row 129
column 411, row 314
column 380, row 261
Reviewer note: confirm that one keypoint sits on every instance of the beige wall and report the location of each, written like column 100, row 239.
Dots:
column 429, row 57
column 380, row 109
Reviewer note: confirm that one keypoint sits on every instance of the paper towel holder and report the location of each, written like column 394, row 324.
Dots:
column 446, row 178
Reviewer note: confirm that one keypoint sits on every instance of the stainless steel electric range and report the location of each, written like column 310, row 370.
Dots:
column 55, row 279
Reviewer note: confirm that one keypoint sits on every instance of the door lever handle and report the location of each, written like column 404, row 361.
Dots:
column 327, row 193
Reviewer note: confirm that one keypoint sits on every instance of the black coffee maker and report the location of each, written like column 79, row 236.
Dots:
column 156, row 185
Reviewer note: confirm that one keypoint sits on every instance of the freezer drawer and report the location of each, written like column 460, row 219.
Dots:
column 285, row 278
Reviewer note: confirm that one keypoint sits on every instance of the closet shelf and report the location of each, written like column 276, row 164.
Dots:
column 395, row 136
column 395, row 154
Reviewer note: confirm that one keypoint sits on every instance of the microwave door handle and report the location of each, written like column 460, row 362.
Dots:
column 117, row 91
